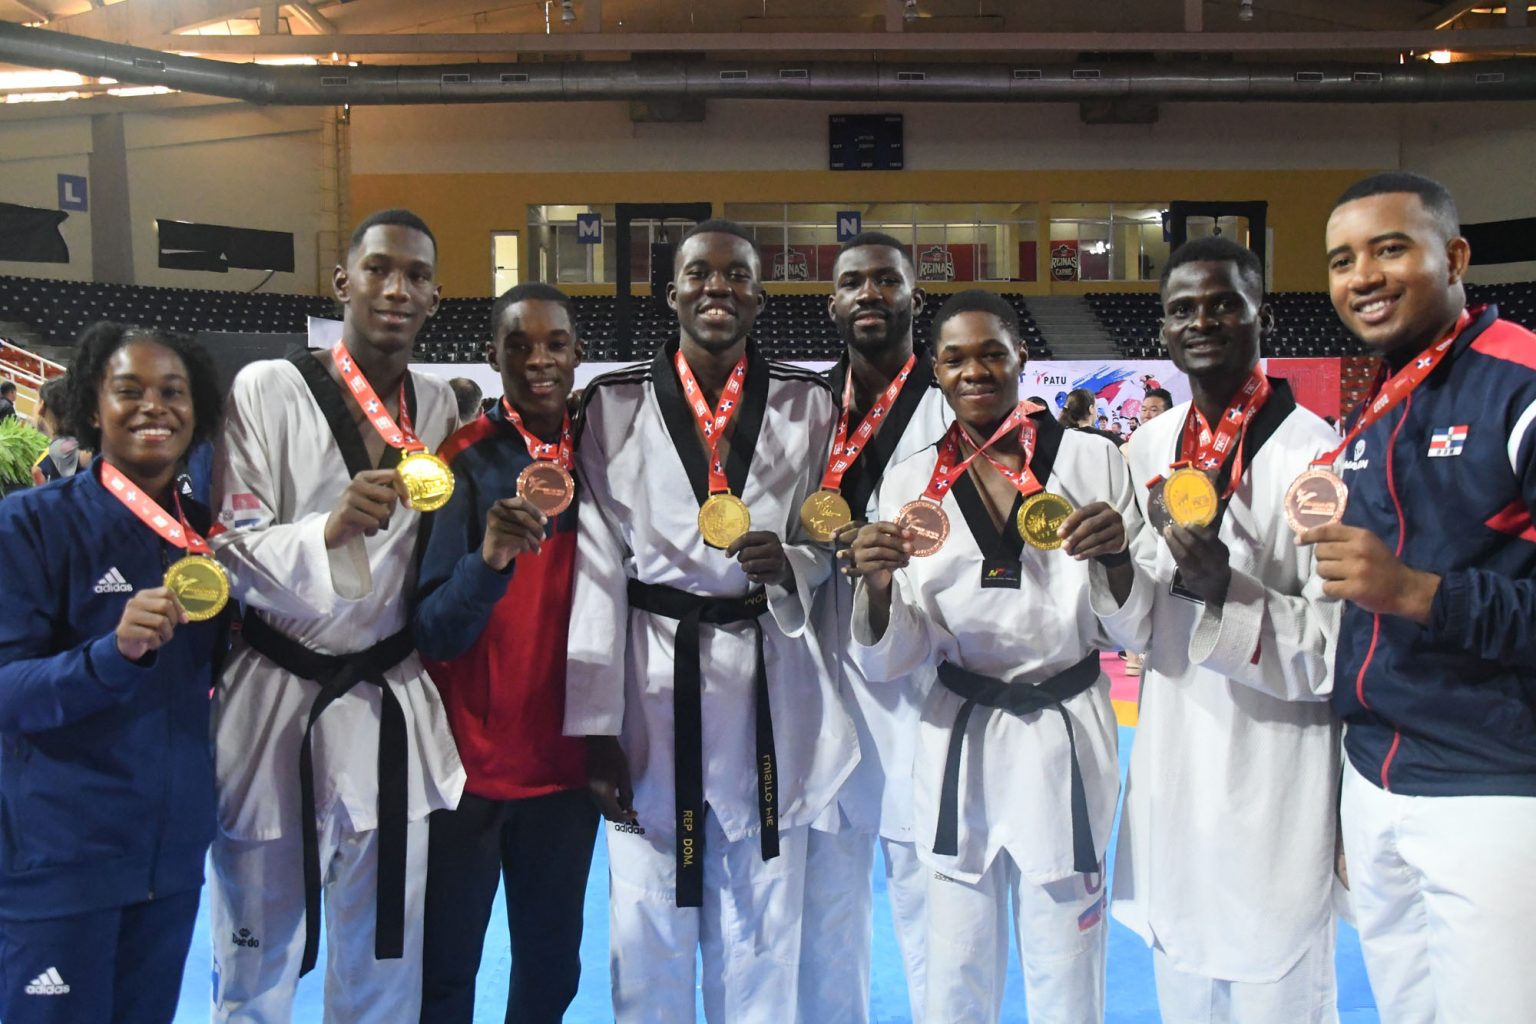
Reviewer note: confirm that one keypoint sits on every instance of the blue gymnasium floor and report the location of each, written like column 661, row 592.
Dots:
column 1132, row 997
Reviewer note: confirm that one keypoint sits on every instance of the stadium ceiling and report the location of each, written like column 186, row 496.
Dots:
column 407, row 30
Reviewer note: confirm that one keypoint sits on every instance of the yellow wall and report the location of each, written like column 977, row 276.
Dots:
column 463, row 209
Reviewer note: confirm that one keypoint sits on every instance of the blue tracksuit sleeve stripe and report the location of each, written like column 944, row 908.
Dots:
column 455, row 591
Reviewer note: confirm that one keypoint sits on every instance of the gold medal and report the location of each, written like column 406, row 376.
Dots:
column 1190, row 497
column 823, row 514
column 547, row 486
column 1040, row 516
column 428, row 481
column 722, row 518
column 200, row 584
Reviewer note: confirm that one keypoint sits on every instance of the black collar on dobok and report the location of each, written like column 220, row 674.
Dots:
column 1005, row 544
column 868, row 467
column 336, row 674
column 333, row 405
column 683, row 430
column 1016, row 699
column 693, row 611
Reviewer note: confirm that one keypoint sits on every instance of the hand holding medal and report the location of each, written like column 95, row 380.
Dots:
column 427, row 478
column 199, row 584
column 546, row 481
column 1188, row 495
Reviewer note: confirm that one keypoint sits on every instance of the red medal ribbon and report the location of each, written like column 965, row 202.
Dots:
column 948, row 469
column 713, row 425
column 1023, row 478
column 395, row 435
column 173, row 531
column 1206, row 449
column 562, row 454
column 844, row 452
column 1388, row 393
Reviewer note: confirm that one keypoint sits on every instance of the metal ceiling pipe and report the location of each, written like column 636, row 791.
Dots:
column 1021, row 81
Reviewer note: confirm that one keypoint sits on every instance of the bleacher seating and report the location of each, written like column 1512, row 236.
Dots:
column 1305, row 322
column 792, row 327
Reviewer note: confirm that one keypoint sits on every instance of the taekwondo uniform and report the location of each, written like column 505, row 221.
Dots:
column 1439, row 801
column 1015, row 780
column 1226, row 852
column 106, row 781
column 876, row 803
column 644, row 581
column 288, row 451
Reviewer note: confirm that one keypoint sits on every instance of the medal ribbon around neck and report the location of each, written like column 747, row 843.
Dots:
column 562, row 454
column 948, row 470
column 199, row 583
column 428, row 480
column 843, row 452
column 1389, row 393
column 1206, row 449
column 1024, row 477
column 713, row 424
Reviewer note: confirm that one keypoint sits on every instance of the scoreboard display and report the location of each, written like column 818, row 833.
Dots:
column 865, row 142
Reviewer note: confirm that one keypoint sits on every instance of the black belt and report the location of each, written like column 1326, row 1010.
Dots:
column 1016, row 699
column 691, row 611
column 336, row 674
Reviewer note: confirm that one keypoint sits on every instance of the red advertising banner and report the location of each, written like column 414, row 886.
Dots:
column 1314, row 382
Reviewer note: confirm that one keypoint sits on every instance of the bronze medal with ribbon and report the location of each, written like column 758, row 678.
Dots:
column 546, row 482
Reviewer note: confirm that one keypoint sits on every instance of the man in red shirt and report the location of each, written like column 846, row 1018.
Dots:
column 493, row 606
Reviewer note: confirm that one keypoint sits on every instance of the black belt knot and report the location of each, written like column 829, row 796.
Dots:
column 691, row 611
column 336, row 674
column 1016, row 699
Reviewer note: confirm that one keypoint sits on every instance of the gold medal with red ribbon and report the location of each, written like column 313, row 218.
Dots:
column 925, row 516
column 1318, row 496
column 546, row 482
column 1042, row 512
column 826, row 511
column 428, row 480
column 199, row 582
column 723, row 517
column 1189, row 493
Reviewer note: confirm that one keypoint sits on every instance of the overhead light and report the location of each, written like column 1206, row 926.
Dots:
column 568, row 11
column 1440, row 56
column 1245, row 10
column 910, row 14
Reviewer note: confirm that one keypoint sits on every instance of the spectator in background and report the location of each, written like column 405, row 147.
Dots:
column 7, row 399
column 64, row 456
column 467, row 392
column 1156, row 402
column 1079, row 412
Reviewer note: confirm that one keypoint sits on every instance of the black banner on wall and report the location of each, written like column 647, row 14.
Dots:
column 215, row 248
column 1502, row 241
column 31, row 235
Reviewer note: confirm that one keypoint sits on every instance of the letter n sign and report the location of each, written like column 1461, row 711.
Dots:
column 72, row 194
column 589, row 228
column 849, row 224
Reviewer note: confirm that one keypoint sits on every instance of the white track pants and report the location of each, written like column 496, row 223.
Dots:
column 748, row 930
column 1307, row 994
column 256, row 900
column 1061, row 931
column 837, row 933
column 1444, row 902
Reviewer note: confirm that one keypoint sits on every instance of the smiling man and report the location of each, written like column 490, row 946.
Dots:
column 714, row 733
column 1436, row 562
column 1015, row 772
column 331, row 744
column 493, row 604
column 1225, row 861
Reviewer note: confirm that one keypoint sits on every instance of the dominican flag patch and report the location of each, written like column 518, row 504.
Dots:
column 1447, row 441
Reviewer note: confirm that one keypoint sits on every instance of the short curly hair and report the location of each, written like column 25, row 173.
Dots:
column 88, row 368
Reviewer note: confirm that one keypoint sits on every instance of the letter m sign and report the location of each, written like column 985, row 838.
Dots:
column 589, row 228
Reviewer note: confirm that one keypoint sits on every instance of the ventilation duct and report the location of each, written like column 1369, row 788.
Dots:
column 1325, row 82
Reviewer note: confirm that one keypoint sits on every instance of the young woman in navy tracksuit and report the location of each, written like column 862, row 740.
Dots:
column 106, row 780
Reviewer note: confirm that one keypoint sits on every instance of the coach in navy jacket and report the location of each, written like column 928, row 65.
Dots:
column 1435, row 676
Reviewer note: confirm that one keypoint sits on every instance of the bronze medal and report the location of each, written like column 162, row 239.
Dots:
column 547, row 486
column 723, row 518
column 200, row 584
column 1040, row 516
column 1190, row 497
column 1315, row 498
column 428, row 481
column 823, row 514
column 1158, row 516
column 929, row 525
